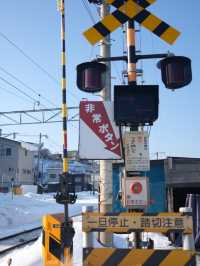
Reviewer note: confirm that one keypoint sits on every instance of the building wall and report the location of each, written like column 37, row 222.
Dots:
column 15, row 162
column 182, row 178
column 181, row 172
column 8, row 161
column 157, row 187
column 156, row 176
column 53, row 174
column 26, row 167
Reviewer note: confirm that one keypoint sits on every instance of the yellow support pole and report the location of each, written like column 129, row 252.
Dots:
column 58, row 229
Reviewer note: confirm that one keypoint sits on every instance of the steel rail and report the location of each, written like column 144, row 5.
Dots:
column 6, row 250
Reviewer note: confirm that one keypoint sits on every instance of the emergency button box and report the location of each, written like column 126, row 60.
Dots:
column 135, row 192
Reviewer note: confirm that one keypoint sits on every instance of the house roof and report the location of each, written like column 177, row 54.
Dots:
column 26, row 145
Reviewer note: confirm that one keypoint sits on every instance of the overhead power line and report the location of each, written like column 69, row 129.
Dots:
column 21, row 91
column 86, row 6
column 35, row 63
column 18, row 89
column 27, row 86
column 29, row 58
column 16, row 95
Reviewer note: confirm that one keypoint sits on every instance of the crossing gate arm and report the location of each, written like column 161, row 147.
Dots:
column 126, row 222
column 137, row 257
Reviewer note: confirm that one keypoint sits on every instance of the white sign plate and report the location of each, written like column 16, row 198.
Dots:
column 136, row 151
column 99, row 136
column 136, row 192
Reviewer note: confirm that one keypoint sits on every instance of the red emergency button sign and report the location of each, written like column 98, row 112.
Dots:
column 136, row 188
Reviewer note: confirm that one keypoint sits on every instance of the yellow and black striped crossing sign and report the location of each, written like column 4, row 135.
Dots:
column 131, row 9
column 137, row 257
column 126, row 222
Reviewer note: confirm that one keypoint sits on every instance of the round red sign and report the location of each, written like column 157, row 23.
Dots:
column 136, row 188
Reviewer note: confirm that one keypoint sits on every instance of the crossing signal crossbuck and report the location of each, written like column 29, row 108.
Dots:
column 131, row 9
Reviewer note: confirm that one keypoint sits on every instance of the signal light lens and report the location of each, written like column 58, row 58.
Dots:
column 176, row 71
column 91, row 76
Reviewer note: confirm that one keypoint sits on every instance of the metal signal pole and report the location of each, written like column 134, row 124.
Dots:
column 131, row 52
column 132, row 79
column 106, row 189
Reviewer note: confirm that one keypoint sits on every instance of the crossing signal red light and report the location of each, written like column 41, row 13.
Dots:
column 136, row 188
column 176, row 71
column 91, row 76
column 135, row 104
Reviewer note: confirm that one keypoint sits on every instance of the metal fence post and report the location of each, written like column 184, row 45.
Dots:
column 87, row 236
column 188, row 239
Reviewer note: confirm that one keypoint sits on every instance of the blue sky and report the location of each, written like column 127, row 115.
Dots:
column 35, row 27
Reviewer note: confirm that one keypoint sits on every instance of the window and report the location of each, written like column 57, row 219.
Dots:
column 78, row 179
column 2, row 151
column 53, row 176
column 8, row 152
column 25, row 152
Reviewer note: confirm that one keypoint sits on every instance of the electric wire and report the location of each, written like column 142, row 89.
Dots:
column 27, row 86
column 86, row 6
column 141, row 61
column 21, row 91
column 119, row 77
column 14, row 94
column 30, row 59
column 124, row 53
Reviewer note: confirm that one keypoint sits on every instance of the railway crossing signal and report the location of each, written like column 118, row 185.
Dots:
column 135, row 105
column 131, row 9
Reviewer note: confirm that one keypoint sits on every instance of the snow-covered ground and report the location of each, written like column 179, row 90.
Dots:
column 26, row 211
column 31, row 255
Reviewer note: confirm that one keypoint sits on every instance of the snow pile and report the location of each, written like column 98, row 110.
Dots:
column 29, row 188
column 31, row 255
column 160, row 241
column 26, row 211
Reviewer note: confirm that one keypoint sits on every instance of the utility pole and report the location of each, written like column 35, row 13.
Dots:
column 38, row 159
column 106, row 165
column 39, row 154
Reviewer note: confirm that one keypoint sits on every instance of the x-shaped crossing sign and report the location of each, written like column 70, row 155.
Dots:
column 131, row 9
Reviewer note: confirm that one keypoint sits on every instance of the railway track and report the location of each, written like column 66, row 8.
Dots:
column 20, row 239
column 11, row 242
